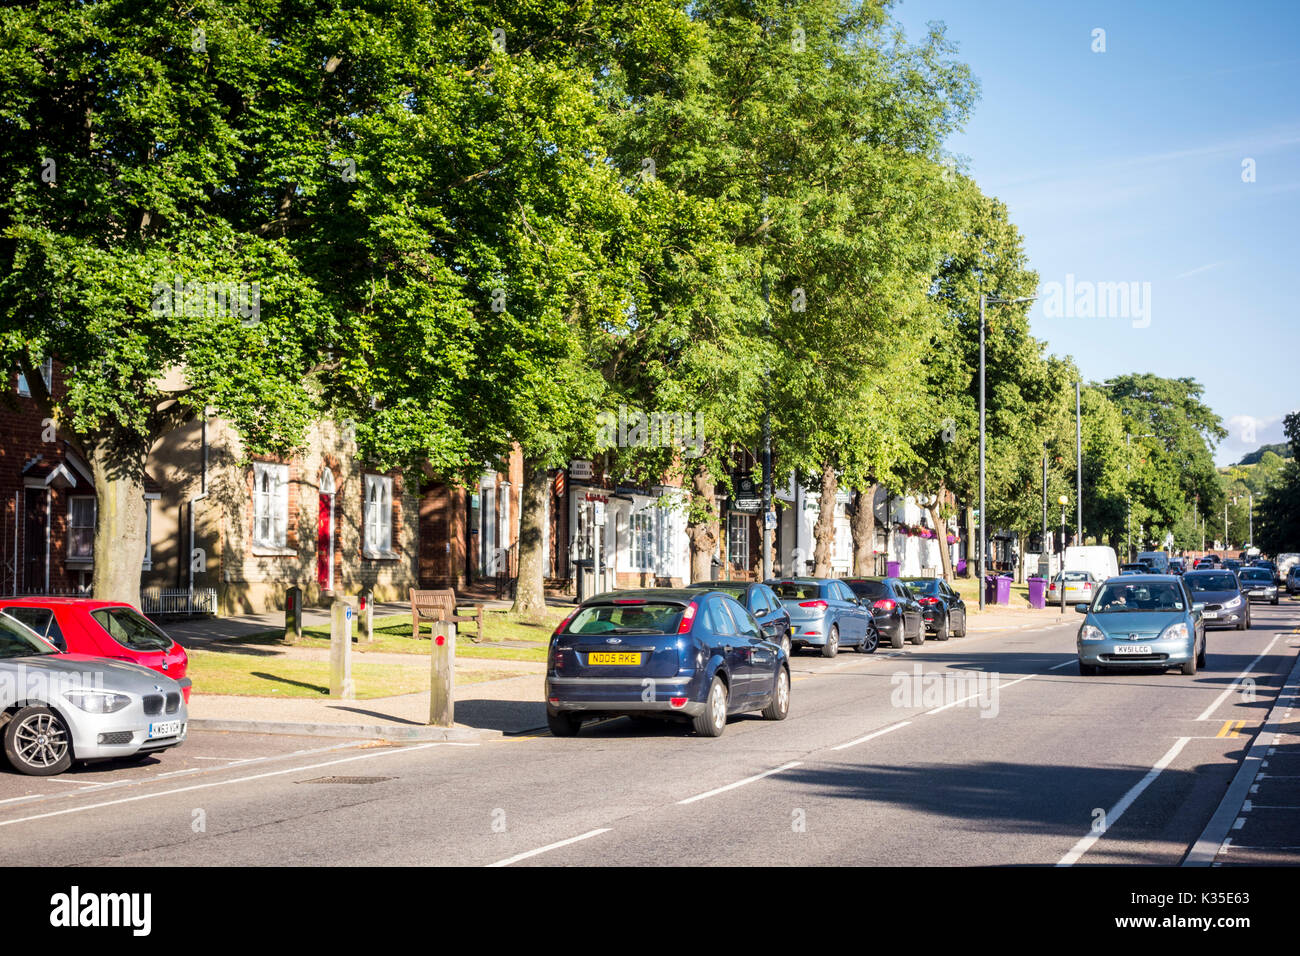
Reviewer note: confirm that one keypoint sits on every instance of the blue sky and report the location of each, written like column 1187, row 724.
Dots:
column 1127, row 166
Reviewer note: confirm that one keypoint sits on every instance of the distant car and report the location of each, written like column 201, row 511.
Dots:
column 897, row 613
column 65, row 708
column 1213, row 559
column 1258, row 584
column 1134, row 569
column 942, row 608
column 1203, row 564
column 1293, row 580
column 1268, row 566
column 673, row 653
column 1232, row 564
column 825, row 613
column 1177, row 566
column 1285, row 562
column 761, row 601
column 1220, row 592
column 1079, row 586
column 110, row 629
column 1146, row 621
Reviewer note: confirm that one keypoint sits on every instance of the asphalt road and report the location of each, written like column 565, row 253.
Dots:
column 986, row 750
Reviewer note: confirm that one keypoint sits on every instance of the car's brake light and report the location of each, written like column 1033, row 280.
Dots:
column 929, row 600
column 884, row 604
column 565, row 623
column 688, row 618
column 820, row 605
column 628, row 601
column 677, row 701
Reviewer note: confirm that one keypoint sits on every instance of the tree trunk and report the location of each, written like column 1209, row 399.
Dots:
column 530, row 593
column 824, row 530
column 119, row 522
column 863, row 524
column 941, row 537
column 702, row 526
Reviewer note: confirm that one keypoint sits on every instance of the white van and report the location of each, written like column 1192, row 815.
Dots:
column 1285, row 562
column 1096, row 559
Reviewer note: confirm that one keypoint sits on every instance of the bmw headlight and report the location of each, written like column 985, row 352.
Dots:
column 1090, row 633
column 93, row 702
column 1176, row 632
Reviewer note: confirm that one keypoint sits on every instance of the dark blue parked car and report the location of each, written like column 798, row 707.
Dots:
column 662, row 652
column 761, row 601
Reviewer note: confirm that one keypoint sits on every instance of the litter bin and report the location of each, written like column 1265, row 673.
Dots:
column 1004, row 589
column 892, row 568
column 1037, row 592
column 990, row 589
column 586, row 570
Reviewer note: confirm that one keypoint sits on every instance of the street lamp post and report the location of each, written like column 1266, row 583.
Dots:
column 983, row 542
column 1063, row 500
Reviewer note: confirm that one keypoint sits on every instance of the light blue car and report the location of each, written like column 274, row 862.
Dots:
column 1143, row 621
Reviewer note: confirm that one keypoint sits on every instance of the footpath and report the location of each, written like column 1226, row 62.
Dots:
column 484, row 709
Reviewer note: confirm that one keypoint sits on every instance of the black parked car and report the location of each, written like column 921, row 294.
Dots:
column 893, row 607
column 761, row 601
column 1220, row 592
column 942, row 608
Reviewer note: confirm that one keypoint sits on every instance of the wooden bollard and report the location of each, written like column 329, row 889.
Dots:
column 366, row 616
column 293, row 615
column 341, row 651
column 442, row 675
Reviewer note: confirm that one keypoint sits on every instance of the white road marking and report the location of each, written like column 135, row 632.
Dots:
column 1057, row 667
column 1233, row 687
column 1113, row 815
column 1001, row 687
column 217, row 783
column 862, row 740
column 739, row 783
column 552, row 846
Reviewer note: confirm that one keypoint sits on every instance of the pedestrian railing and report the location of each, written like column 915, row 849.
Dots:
column 178, row 602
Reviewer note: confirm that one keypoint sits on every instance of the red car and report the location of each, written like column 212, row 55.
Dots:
column 100, row 628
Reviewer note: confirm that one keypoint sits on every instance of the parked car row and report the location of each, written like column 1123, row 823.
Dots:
column 98, row 680
column 716, row 649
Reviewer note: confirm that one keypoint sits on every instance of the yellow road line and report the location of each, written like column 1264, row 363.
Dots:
column 1230, row 728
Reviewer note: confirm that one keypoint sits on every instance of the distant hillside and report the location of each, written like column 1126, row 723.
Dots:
column 1281, row 449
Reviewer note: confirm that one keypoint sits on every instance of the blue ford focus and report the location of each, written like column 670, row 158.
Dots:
column 672, row 653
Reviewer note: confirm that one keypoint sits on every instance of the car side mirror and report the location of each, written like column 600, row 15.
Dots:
column 1081, row 609
column 1198, row 607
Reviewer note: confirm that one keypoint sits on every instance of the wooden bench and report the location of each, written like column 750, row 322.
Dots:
column 434, row 606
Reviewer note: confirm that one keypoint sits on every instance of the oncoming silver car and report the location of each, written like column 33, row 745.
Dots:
column 59, row 708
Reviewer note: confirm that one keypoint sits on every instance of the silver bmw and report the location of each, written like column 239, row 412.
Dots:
column 59, row 708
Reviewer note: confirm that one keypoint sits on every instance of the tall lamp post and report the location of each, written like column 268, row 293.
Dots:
column 983, row 543
column 1063, row 500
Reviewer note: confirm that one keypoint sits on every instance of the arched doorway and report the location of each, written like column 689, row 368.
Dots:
column 325, row 532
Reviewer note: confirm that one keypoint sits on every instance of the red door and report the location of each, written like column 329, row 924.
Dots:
column 324, row 533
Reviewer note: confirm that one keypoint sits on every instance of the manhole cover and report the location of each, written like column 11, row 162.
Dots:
column 347, row 780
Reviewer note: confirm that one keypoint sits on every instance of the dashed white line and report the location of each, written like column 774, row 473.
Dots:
column 216, row 783
column 862, row 740
column 550, row 846
column 740, row 783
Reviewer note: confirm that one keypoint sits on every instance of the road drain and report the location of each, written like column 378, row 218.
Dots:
column 347, row 780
